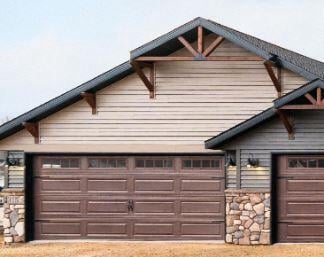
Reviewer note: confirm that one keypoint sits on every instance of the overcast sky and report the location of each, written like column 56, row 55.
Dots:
column 48, row 47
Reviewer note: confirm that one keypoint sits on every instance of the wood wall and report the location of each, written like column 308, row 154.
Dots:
column 194, row 101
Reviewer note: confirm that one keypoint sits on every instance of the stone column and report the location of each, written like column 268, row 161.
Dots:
column 14, row 215
column 248, row 217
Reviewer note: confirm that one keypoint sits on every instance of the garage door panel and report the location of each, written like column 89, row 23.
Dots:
column 301, row 207
column 61, row 206
column 204, row 207
column 103, row 229
column 107, row 185
column 46, row 185
column 300, row 233
column 154, row 207
column 107, row 207
column 300, row 199
column 132, row 203
column 154, row 229
column 201, row 185
column 166, row 186
column 301, row 186
column 53, row 230
column 202, row 230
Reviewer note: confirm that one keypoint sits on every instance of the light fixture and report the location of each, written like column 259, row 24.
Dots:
column 230, row 159
column 252, row 162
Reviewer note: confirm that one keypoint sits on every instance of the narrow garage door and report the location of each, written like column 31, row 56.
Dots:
column 113, row 197
column 300, row 199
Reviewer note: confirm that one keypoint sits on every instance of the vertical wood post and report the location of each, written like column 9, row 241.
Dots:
column 238, row 168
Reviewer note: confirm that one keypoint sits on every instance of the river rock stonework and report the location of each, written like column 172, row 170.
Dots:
column 247, row 217
column 14, row 216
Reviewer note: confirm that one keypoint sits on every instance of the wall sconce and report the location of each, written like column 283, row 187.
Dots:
column 230, row 159
column 252, row 162
column 15, row 158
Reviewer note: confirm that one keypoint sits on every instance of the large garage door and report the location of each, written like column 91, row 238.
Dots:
column 152, row 198
column 300, row 192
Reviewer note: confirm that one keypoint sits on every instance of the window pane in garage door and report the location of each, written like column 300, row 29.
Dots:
column 158, row 200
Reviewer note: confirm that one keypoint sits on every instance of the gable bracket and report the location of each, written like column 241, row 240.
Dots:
column 33, row 129
column 276, row 79
column 287, row 123
column 148, row 82
column 315, row 104
column 90, row 98
column 200, row 54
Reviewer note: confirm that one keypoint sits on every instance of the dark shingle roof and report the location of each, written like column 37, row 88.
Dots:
column 163, row 45
column 304, row 62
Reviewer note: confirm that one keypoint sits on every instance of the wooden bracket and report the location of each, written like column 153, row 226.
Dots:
column 90, row 98
column 188, row 46
column 33, row 129
column 213, row 46
column 276, row 80
column 149, row 83
column 287, row 123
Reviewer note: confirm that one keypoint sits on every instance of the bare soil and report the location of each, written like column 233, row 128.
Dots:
column 159, row 249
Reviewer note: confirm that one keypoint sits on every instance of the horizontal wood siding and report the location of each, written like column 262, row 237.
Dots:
column 16, row 177
column 231, row 177
column 272, row 137
column 194, row 101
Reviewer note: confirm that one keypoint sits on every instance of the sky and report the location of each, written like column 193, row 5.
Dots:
column 49, row 47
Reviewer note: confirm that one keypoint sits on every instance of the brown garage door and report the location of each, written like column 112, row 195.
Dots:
column 128, row 197
column 300, row 199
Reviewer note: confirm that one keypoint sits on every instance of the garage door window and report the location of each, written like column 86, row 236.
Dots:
column 200, row 164
column 154, row 163
column 107, row 163
column 61, row 163
column 306, row 163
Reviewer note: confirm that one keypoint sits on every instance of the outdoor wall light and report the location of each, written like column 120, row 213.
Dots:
column 230, row 159
column 252, row 162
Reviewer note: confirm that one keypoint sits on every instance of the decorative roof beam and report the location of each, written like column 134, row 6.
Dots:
column 213, row 46
column 275, row 80
column 90, row 98
column 185, row 58
column 188, row 46
column 319, row 96
column 287, row 123
column 149, row 83
column 310, row 98
column 33, row 129
column 200, row 39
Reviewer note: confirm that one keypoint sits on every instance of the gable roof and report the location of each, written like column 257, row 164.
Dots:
column 260, row 118
column 164, row 45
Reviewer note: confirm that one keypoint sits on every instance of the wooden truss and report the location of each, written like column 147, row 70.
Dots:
column 198, row 54
column 317, row 103
column 276, row 78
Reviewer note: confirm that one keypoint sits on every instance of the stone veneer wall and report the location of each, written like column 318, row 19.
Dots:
column 248, row 220
column 14, row 215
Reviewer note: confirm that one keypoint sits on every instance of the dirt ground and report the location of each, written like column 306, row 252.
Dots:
column 157, row 249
